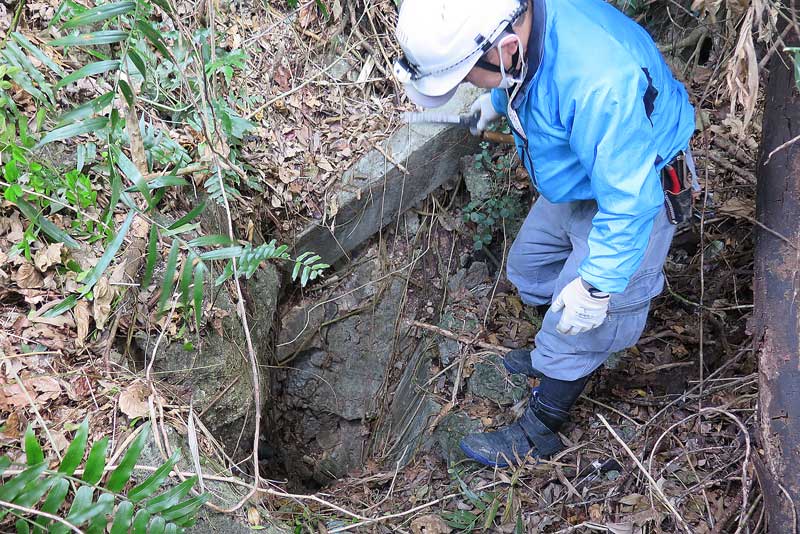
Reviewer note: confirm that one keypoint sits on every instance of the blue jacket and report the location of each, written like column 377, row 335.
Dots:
column 602, row 115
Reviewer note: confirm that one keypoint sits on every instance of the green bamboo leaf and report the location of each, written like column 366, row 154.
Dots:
column 199, row 271
column 123, row 517
column 63, row 306
column 140, row 521
column 225, row 253
column 152, row 256
column 120, row 476
column 186, row 278
column 133, row 173
column 37, row 53
column 86, row 110
column 100, row 13
column 161, row 181
column 169, row 276
column 211, row 240
column 157, row 525
column 33, row 72
column 5, row 461
column 74, row 454
column 96, row 462
column 53, row 232
column 171, row 497
column 21, row 78
column 127, row 92
column 197, row 210
column 186, row 508
column 154, row 481
column 75, row 129
column 153, row 36
column 33, row 451
column 105, row 260
column 92, row 69
column 138, row 62
column 93, row 38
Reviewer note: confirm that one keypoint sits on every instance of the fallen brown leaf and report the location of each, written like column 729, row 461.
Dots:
column 48, row 256
column 27, row 277
column 133, row 401
column 101, row 308
column 81, row 314
column 430, row 524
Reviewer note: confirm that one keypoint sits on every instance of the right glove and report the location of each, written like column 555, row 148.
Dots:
column 584, row 308
column 484, row 108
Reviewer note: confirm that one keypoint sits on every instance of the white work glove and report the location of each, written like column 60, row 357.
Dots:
column 582, row 310
column 483, row 105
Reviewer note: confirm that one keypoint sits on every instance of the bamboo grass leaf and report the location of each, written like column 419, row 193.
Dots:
column 72, row 130
column 92, row 69
column 105, row 260
column 93, row 38
column 100, row 13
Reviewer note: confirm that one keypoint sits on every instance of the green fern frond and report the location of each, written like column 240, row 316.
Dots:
column 148, row 507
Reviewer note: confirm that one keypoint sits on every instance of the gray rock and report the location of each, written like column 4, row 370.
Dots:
column 490, row 380
column 329, row 393
column 298, row 327
column 476, row 178
column 216, row 374
column 451, row 429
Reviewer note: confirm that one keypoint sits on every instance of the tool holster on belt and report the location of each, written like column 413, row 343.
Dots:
column 676, row 180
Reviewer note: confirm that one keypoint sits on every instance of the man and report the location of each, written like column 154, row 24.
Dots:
column 598, row 120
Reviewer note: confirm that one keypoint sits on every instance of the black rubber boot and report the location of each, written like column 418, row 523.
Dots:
column 518, row 362
column 511, row 445
column 533, row 434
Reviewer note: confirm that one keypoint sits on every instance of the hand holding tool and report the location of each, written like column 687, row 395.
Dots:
column 465, row 121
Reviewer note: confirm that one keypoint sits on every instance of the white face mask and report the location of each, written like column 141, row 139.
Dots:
column 507, row 79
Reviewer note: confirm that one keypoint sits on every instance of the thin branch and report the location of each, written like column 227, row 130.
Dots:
column 647, row 474
column 13, row 506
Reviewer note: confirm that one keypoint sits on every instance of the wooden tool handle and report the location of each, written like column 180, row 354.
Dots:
column 499, row 138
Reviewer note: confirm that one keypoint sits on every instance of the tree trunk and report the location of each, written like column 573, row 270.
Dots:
column 776, row 300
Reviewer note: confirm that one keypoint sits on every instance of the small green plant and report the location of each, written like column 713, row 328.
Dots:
column 98, row 502
column 488, row 215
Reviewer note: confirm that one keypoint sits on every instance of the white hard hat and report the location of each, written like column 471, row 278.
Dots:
column 443, row 39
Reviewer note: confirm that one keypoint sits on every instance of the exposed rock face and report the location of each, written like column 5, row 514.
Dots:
column 216, row 373
column 329, row 389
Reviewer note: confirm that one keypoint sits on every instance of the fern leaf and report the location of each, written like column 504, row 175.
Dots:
column 171, row 497
column 96, row 462
column 33, row 451
column 154, row 481
column 123, row 518
column 74, row 454
column 120, row 476
column 53, row 502
column 140, row 521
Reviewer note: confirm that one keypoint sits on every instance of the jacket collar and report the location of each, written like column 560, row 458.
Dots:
column 534, row 50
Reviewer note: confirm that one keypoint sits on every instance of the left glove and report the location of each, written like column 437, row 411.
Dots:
column 584, row 308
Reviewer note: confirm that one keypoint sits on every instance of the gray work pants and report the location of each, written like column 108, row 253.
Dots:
column 545, row 257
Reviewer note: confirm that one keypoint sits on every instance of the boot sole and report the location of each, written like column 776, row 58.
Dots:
column 473, row 455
